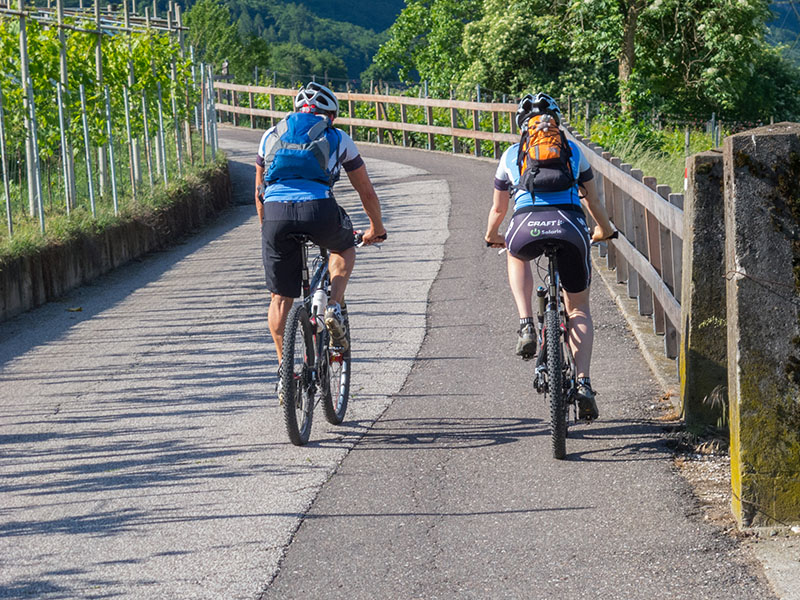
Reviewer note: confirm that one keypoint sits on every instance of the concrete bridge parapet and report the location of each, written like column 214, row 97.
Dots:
column 762, row 263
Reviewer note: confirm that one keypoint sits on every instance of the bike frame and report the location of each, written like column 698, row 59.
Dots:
column 310, row 283
column 319, row 279
column 555, row 303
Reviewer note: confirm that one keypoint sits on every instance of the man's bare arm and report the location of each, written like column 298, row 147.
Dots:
column 597, row 211
column 259, row 183
column 369, row 200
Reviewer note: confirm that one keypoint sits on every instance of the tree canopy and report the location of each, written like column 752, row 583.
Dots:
column 678, row 56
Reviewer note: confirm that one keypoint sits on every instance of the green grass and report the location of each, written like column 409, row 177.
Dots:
column 659, row 153
column 61, row 228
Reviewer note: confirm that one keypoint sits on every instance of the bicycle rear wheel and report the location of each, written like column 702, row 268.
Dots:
column 336, row 379
column 298, row 388
column 555, row 384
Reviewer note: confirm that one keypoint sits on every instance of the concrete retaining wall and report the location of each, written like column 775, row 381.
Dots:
column 31, row 281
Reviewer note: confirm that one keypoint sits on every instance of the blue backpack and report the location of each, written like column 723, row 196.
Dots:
column 301, row 148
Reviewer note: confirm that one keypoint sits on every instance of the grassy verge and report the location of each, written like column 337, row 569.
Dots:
column 62, row 228
column 659, row 153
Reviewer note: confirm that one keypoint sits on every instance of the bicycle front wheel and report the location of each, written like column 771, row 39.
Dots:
column 298, row 388
column 336, row 380
column 555, row 384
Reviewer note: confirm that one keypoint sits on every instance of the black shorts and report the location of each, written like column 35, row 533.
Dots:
column 323, row 221
column 531, row 227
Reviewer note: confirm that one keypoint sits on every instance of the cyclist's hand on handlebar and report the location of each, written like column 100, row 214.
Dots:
column 495, row 240
column 371, row 236
column 599, row 235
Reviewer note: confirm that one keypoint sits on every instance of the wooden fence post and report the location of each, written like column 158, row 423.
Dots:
column 429, row 121
column 668, row 274
column 644, row 293
column 351, row 114
column 623, row 219
column 404, row 120
column 608, row 196
column 653, row 239
column 495, row 129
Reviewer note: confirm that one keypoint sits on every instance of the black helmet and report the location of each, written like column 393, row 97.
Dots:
column 537, row 105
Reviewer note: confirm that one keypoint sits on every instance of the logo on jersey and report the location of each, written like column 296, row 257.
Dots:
column 553, row 223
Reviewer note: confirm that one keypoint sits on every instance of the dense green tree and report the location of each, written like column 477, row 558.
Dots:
column 298, row 63
column 212, row 34
column 695, row 55
column 427, row 40
column 680, row 56
column 217, row 39
column 244, row 24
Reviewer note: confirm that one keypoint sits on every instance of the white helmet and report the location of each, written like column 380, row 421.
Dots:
column 317, row 98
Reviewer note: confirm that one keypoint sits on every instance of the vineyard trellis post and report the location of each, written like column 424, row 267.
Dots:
column 66, row 146
column 186, row 123
column 134, row 142
column 131, row 139
column 212, row 120
column 148, row 146
column 203, row 112
column 111, row 152
column 158, row 139
column 162, row 151
column 27, row 100
column 101, row 151
column 173, row 96
column 35, row 150
column 89, row 174
column 6, row 186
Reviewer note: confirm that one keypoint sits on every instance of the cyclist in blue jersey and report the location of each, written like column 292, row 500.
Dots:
column 546, row 215
column 298, row 161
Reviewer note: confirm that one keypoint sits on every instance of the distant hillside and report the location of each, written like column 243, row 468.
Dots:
column 376, row 15
column 353, row 36
column 785, row 27
column 352, row 30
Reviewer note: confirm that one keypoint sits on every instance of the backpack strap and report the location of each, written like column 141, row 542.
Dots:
column 273, row 143
column 335, row 170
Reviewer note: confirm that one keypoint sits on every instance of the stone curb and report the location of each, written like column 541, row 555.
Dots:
column 664, row 369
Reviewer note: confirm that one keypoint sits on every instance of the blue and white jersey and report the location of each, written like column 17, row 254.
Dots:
column 508, row 175
column 303, row 190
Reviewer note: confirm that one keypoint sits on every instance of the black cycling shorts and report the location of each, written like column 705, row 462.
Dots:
column 323, row 221
column 532, row 226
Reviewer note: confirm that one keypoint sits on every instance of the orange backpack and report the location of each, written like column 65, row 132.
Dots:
column 544, row 157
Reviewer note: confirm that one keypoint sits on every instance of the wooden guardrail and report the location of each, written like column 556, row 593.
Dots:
column 648, row 255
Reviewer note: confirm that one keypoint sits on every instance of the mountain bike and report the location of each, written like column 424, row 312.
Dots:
column 555, row 375
column 312, row 369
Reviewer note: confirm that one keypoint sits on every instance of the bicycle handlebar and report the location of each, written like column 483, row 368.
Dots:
column 359, row 238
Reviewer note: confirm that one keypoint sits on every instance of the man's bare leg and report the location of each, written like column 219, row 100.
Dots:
column 581, row 330
column 340, row 265
column 279, row 308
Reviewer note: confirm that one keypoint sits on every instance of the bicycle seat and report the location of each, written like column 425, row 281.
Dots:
column 300, row 238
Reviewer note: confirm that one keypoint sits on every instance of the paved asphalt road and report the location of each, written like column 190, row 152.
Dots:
column 144, row 457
